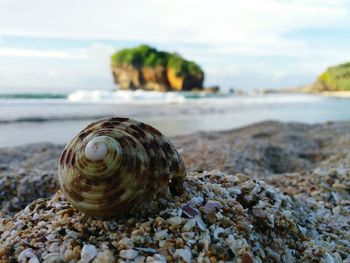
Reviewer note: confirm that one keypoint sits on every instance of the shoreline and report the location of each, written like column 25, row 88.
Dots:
column 28, row 123
column 310, row 89
column 337, row 94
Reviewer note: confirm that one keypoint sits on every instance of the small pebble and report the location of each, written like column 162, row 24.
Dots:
column 53, row 258
column 190, row 224
column 211, row 205
column 190, row 211
column 200, row 222
column 128, row 253
column 184, row 254
column 88, row 253
column 175, row 221
column 27, row 254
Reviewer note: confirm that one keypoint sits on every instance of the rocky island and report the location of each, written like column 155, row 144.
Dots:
column 146, row 68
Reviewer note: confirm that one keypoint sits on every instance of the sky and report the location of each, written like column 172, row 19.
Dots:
column 251, row 44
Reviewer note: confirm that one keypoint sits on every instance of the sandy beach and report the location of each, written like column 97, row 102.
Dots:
column 268, row 192
column 337, row 94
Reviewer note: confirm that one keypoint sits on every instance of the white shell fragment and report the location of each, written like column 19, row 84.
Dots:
column 217, row 232
column 53, row 258
column 211, row 205
column 161, row 234
column 27, row 254
column 184, row 254
column 175, row 221
column 128, row 253
column 202, row 226
column 189, row 225
column 88, row 253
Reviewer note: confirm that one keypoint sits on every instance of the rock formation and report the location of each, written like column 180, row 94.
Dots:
column 146, row 68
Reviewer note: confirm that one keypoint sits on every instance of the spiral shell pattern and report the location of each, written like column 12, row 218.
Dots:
column 116, row 165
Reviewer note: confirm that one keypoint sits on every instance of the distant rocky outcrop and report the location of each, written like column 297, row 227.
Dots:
column 335, row 78
column 146, row 68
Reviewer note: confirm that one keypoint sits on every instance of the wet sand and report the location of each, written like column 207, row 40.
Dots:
column 337, row 94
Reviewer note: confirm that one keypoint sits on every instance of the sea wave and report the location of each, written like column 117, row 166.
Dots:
column 142, row 97
column 85, row 105
column 127, row 96
column 35, row 96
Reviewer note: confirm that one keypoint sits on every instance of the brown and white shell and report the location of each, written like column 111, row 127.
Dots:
column 117, row 164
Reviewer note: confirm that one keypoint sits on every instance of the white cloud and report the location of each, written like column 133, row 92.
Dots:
column 36, row 53
column 215, row 22
column 88, row 69
column 224, row 30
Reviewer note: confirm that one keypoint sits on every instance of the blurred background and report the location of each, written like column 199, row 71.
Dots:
column 66, row 63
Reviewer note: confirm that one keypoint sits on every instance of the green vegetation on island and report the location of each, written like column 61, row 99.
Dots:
column 146, row 56
column 147, row 68
column 335, row 78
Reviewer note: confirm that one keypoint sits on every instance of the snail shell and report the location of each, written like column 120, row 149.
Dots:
column 116, row 165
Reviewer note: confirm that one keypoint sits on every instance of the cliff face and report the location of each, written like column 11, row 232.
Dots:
column 148, row 69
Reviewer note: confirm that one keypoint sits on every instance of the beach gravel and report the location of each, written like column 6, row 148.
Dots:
column 269, row 192
column 254, row 222
column 27, row 173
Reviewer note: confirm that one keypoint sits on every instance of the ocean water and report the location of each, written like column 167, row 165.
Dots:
column 56, row 118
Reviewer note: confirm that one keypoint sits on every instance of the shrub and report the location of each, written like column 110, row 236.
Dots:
column 336, row 78
column 146, row 56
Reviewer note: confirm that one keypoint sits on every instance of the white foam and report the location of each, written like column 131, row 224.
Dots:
column 126, row 96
